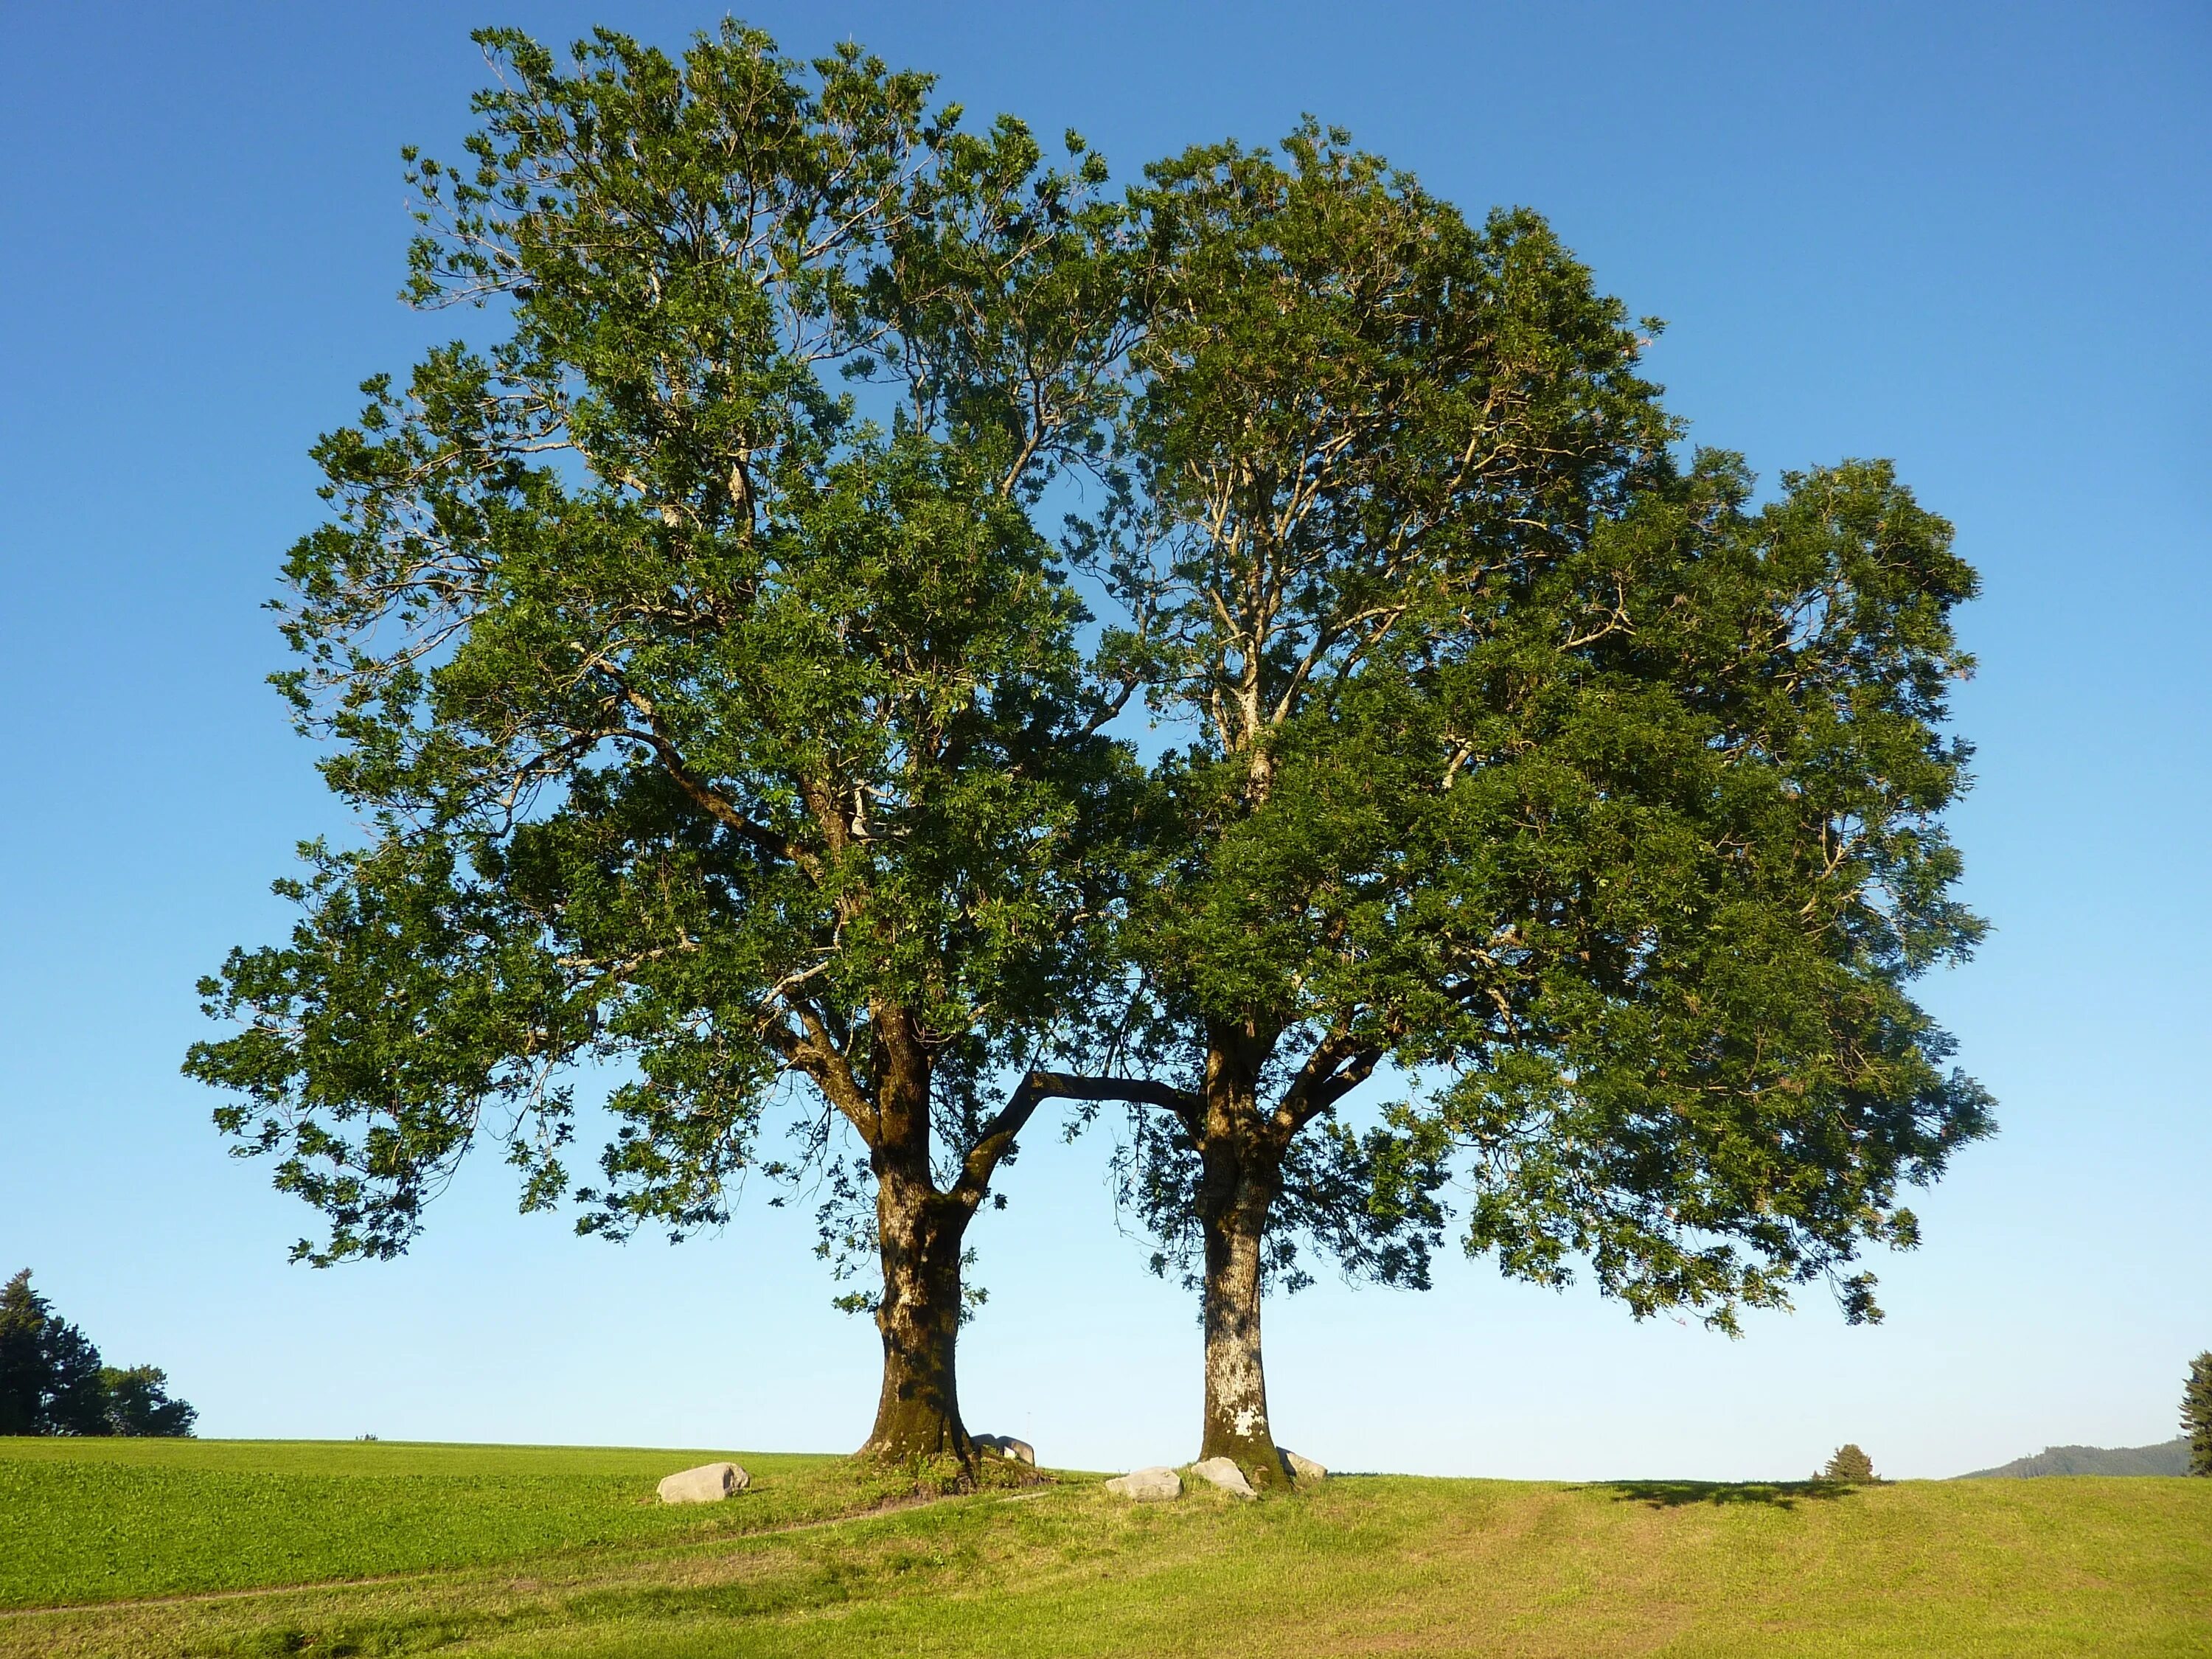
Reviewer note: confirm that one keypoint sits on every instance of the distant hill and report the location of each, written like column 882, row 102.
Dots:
column 2171, row 1458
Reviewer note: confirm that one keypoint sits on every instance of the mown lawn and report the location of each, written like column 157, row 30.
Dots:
column 99, row 1520
column 555, row 1553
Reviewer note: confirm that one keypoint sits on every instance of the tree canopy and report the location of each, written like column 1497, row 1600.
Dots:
column 711, row 699
column 721, row 722
column 1520, row 757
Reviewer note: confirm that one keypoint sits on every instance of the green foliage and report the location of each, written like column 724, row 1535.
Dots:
column 1352, row 403
column 2197, row 1413
column 1851, row 1466
column 1525, row 755
column 709, row 700
column 138, row 1403
column 53, row 1382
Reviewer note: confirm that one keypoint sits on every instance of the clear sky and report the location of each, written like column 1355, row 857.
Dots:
column 1973, row 238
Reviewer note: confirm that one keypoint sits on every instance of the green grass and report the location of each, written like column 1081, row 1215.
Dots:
column 101, row 1520
column 554, row 1553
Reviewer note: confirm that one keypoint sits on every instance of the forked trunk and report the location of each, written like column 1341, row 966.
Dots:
column 1237, row 1190
column 919, row 1231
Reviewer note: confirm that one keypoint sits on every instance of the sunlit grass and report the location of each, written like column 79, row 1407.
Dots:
column 98, row 1520
column 1370, row 1565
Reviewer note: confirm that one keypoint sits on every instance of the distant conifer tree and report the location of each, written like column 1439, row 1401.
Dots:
column 2197, row 1413
column 49, row 1369
column 76, row 1402
column 1850, row 1465
column 22, row 1356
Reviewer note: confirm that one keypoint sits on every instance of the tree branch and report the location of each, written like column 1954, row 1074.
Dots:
column 1337, row 1066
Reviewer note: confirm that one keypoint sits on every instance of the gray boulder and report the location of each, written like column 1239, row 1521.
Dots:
column 1224, row 1473
column 1006, row 1446
column 1303, row 1468
column 710, row 1483
column 1157, row 1485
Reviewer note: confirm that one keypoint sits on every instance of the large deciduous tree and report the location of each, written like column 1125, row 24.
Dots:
column 710, row 701
column 1519, row 756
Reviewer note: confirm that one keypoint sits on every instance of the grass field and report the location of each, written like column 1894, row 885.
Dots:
column 216, row 1548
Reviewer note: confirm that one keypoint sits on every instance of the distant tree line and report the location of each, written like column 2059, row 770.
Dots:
column 52, row 1381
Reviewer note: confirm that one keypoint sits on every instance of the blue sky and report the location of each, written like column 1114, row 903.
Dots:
column 1972, row 238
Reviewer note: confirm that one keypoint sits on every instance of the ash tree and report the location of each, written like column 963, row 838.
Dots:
column 1519, row 762
column 710, row 704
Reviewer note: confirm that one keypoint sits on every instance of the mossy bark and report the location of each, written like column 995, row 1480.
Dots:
column 920, row 1233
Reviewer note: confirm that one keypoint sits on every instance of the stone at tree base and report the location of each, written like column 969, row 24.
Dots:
column 1303, row 1468
column 1156, row 1485
column 710, row 1483
column 1224, row 1473
column 1006, row 1446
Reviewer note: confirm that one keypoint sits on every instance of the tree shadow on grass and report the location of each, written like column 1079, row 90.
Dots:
column 1679, row 1494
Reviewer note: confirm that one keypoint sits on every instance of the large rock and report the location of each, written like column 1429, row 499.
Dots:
column 1303, row 1468
column 1006, row 1446
column 1224, row 1473
column 1157, row 1485
column 710, row 1483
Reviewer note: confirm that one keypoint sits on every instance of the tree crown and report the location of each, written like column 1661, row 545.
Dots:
column 712, row 704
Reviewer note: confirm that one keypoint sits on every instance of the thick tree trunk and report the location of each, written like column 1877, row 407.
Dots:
column 1237, row 1190
column 919, row 1232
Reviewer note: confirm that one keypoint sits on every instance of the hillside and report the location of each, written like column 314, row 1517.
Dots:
column 548, row 1552
column 2170, row 1458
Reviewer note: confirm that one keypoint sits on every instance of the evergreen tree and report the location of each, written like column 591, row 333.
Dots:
column 23, row 1358
column 1849, row 1464
column 76, row 1400
column 2197, row 1413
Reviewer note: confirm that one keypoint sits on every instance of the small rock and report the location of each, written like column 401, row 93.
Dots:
column 1224, row 1473
column 1303, row 1468
column 710, row 1483
column 1156, row 1485
column 1006, row 1446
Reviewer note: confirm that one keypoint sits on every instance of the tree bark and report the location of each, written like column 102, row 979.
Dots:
column 920, row 1233
column 1242, row 1176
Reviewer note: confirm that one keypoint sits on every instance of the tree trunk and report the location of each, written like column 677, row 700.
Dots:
column 919, row 1232
column 1237, row 1189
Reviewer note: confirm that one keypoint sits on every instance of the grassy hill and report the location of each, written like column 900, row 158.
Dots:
column 2171, row 1457
column 214, row 1547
